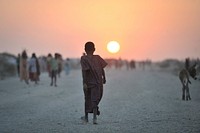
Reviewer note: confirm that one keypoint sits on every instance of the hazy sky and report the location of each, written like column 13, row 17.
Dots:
column 153, row 29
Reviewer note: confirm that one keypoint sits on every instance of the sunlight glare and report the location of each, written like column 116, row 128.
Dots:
column 113, row 47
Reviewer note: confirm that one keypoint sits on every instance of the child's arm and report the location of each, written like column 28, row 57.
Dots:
column 84, row 79
column 84, row 76
column 104, row 76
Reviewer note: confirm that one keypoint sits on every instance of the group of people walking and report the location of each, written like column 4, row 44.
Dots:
column 93, row 75
column 29, row 69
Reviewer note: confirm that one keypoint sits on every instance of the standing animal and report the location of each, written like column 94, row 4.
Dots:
column 184, row 77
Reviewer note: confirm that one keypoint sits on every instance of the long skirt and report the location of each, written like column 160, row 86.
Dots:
column 93, row 96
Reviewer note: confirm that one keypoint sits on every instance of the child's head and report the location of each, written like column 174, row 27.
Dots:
column 89, row 47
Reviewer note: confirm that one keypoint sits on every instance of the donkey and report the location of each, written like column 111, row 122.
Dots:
column 184, row 77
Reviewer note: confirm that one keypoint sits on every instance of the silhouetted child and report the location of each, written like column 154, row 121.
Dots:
column 93, row 79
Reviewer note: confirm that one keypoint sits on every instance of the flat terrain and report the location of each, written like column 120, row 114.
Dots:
column 134, row 101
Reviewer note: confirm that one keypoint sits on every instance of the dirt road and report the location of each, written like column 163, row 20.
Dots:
column 134, row 101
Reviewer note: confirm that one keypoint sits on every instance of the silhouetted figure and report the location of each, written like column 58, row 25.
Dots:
column 118, row 63
column 187, row 63
column 132, row 64
column 67, row 66
column 24, row 67
column 54, row 70
column 49, row 57
column 33, row 72
column 93, row 79
column 18, row 64
column 38, row 69
column 60, row 63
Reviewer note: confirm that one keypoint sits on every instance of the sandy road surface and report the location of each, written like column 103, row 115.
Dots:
column 134, row 101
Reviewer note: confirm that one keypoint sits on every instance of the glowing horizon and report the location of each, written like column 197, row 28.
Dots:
column 153, row 30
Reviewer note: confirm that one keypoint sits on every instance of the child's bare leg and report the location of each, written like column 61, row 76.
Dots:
column 95, row 115
column 85, row 118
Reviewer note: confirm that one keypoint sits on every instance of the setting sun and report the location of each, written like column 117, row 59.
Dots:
column 113, row 47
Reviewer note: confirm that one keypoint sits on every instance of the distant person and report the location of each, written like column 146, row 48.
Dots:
column 142, row 64
column 67, row 66
column 93, row 79
column 54, row 70
column 18, row 64
column 187, row 63
column 127, row 64
column 49, row 57
column 33, row 69
column 24, row 67
column 118, row 63
column 132, row 64
column 38, row 69
column 60, row 64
